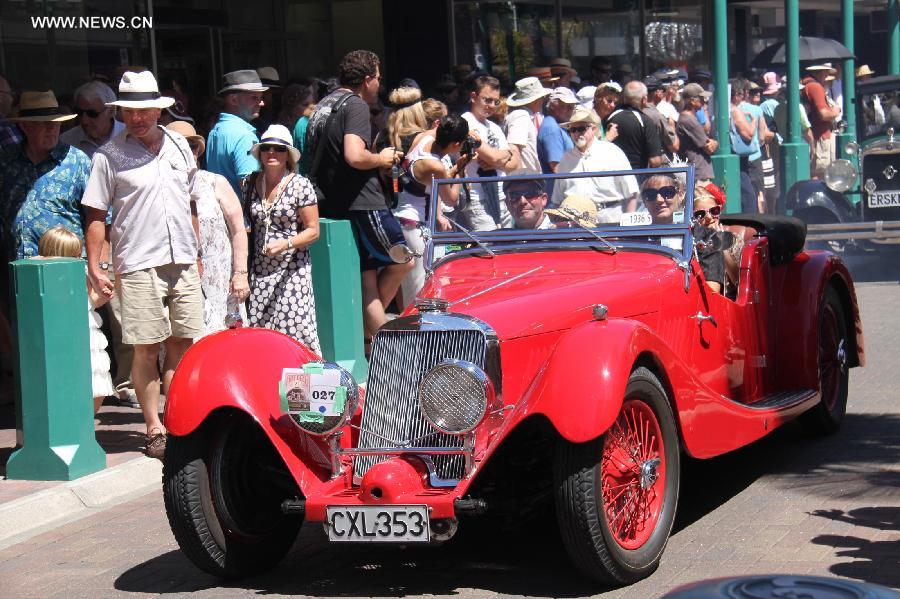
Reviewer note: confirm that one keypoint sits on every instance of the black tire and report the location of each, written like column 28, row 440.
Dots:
column 580, row 507
column 223, row 486
column 825, row 417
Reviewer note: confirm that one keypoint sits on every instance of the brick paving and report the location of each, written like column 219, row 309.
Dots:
column 788, row 504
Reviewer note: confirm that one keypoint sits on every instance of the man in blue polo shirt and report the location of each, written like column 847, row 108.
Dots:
column 228, row 144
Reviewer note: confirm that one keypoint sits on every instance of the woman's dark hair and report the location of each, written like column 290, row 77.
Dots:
column 356, row 66
column 452, row 129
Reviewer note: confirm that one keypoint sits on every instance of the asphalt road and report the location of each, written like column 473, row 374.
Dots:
column 787, row 504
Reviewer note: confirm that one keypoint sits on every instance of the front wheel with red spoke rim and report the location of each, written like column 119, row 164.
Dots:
column 826, row 417
column 616, row 495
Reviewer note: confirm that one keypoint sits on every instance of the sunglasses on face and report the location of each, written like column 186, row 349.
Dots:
column 490, row 101
column 529, row 195
column 272, row 148
column 713, row 212
column 92, row 114
column 579, row 129
column 668, row 192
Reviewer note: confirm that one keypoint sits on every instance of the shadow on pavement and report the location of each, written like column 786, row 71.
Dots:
column 872, row 561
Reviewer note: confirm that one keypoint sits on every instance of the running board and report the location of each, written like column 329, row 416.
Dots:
column 783, row 399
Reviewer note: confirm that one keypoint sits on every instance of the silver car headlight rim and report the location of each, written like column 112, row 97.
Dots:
column 840, row 175
column 480, row 400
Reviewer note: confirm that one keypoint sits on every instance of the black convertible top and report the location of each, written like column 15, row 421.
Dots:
column 878, row 84
column 786, row 234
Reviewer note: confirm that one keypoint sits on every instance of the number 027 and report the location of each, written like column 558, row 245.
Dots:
column 323, row 394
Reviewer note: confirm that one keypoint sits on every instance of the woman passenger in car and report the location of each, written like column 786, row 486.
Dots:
column 708, row 240
column 663, row 197
column 708, row 208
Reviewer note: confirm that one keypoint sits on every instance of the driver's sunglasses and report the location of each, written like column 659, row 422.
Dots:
column 714, row 211
column 529, row 195
column 91, row 114
column 668, row 192
column 272, row 148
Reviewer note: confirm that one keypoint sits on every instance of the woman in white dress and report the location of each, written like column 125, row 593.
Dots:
column 223, row 240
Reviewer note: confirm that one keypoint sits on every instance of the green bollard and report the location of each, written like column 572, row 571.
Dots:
column 54, row 408
column 338, row 290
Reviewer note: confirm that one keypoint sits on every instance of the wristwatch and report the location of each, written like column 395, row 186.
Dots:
column 104, row 266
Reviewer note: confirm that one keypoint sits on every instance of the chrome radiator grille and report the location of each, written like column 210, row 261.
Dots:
column 391, row 415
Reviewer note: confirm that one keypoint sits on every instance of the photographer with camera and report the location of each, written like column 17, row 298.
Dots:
column 431, row 159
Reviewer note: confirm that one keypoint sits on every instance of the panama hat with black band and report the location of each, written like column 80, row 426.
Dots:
column 276, row 135
column 40, row 106
column 139, row 90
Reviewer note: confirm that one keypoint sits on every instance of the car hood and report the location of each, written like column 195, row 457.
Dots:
column 540, row 292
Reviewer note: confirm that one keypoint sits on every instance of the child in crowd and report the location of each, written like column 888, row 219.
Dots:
column 60, row 242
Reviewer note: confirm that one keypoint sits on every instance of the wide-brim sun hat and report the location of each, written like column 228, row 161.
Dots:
column 822, row 67
column 139, row 90
column 864, row 70
column 581, row 116
column 187, row 130
column 276, row 135
column 580, row 208
column 527, row 91
column 242, row 81
column 40, row 106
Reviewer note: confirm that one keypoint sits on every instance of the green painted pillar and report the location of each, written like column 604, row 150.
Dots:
column 849, row 81
column 54, row 408
column 338, row 290
column 726, row 165
column 893, row 37
column 794, row 151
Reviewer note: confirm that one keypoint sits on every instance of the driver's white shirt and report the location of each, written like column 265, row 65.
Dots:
column 608, row 193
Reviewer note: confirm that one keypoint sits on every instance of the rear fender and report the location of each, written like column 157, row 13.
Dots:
column 581, row 388
column 241, row 369
column 813, row 195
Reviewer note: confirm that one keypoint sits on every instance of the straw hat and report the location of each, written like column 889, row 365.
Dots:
column 864, row 70
column 582, row 115
column 276, row 135
column 527, row 91
column 822, row 67
column 188, row 131
column 562, row 65
column 139, row 90
column 577, row 207
column 40, row 106
column 542, row 73
column 242, row 81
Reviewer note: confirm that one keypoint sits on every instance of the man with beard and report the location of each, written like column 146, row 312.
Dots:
column 613, row 195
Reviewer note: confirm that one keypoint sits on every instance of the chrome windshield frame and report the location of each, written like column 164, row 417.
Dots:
column 506, row 240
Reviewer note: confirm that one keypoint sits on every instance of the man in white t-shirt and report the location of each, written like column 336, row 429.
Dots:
column 612, row 195
column 485, row 209
column 525, row 105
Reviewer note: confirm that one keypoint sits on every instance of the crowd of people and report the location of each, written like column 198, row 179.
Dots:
column 186, row 221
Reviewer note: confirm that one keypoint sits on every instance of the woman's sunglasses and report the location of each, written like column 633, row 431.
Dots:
column 668, row 192
column 272, row 148
column 701, row 214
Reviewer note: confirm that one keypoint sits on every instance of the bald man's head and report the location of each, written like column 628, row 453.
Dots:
column 6, row 98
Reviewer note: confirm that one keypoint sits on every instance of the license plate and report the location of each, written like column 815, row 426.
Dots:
column 378, row 524
column 884, row 199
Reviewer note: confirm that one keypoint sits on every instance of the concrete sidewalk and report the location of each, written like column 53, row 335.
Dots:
column 28, row 508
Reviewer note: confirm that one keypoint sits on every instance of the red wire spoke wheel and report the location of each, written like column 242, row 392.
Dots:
column 826, row 417
column 616, row 495
column 633, row 474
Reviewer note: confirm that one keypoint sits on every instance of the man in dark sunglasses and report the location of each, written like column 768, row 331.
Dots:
column 97, row 122
column 526, row 201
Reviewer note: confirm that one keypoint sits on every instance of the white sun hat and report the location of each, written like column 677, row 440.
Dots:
column 276, row 135
column 527, row 91
column 139, row 90
column 586, row 96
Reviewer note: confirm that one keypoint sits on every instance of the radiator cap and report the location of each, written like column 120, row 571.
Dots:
column 431, row 304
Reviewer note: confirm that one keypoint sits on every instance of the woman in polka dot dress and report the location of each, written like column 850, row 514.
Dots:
column 284, row 220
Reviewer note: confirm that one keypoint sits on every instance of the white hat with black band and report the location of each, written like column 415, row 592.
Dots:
column 139, row 90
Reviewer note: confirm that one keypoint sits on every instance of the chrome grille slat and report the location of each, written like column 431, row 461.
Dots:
column 399, row 360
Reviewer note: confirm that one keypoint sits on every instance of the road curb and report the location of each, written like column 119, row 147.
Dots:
column 39, row 512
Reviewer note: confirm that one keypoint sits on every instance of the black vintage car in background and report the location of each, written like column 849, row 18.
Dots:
column 866, row 216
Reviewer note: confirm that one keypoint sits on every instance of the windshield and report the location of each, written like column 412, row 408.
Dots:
column 608, row 211
column 878, row 111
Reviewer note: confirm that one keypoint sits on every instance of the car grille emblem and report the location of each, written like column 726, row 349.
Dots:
column 870, row 186
column 889, row 172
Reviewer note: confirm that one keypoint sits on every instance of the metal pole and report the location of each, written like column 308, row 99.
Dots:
column 893, row 37
column 794, row 151
column 849, row 80
column 726, row 165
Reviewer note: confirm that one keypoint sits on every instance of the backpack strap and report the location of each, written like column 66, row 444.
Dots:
column 320, row 145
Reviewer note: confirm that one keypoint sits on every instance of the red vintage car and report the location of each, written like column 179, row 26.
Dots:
column 576, row 362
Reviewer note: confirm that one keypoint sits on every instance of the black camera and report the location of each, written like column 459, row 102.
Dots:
column 469, row 146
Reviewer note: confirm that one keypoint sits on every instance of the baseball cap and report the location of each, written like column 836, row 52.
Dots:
column 693, row 90
column 526, row 187
column 564, row 94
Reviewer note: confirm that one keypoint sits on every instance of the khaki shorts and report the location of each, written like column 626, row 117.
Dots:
column 161, row 302
column 825, row 155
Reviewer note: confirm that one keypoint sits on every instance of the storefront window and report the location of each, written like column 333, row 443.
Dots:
column 673, row 34
column 609, row 28
column 505, row 38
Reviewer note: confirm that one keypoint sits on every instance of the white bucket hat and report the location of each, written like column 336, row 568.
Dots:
column 276, row 135
column 527, row 91
column 139, row 90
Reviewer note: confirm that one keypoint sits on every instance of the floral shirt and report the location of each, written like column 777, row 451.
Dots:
column 37, row 197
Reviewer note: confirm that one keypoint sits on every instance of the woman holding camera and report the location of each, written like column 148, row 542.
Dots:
column 429, row 159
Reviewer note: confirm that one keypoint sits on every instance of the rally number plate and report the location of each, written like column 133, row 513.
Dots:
column 378, row 524
column 884, row 199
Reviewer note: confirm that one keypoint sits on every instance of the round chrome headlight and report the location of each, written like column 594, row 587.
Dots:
column 851, row 148
column 454, row 396
column 322, row 410
column 840, row 175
